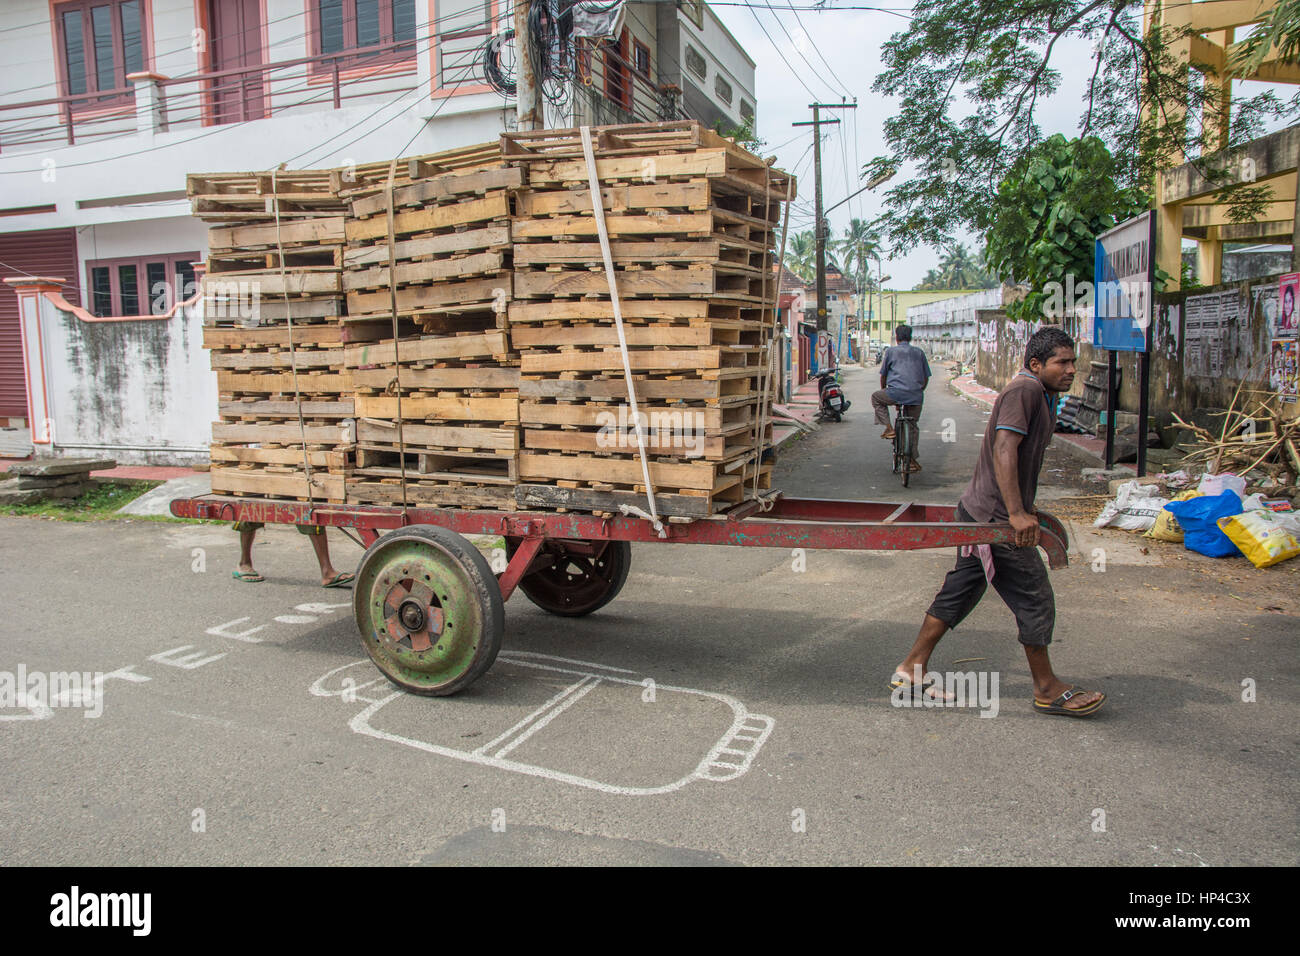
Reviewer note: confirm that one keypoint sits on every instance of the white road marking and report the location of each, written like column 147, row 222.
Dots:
column 501, row 738
column 36, row 708
column 246, row 636
column 568, row 660
column 742, row 740
column 186, row 662
column 573, row 699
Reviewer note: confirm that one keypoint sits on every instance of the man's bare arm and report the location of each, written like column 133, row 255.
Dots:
column 1006, row 459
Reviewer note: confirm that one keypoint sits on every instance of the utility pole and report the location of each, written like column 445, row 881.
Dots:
column 526, row 82
column 820, row 231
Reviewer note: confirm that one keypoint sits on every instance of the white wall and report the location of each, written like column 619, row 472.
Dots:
column 138, row 391
column 724, row 55
column 955, row 317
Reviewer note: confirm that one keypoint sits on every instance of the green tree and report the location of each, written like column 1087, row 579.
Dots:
column 859, row 247
column 958, row 269
column 1046, row 213
column 970, row 80
column 1281, row 28
column 801, row 256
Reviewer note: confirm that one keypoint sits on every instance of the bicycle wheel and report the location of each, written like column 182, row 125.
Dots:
column 907, row 432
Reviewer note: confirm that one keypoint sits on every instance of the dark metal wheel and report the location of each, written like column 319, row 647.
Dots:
column 428, row 609
column 573, row 578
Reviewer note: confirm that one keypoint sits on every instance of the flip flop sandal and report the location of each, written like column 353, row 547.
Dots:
column 340, row 579
column 248, row 577
column 1058, row 706
column 895, row 683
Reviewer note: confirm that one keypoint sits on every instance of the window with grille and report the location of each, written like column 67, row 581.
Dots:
column 695, row 62
column 722, row 88
column 368, row 28
column 98, row 43
column 150, row 285
column 618, row 76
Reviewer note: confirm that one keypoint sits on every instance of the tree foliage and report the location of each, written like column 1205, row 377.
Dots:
column 1281, row 29
column 801, row 255
column 859, row 247
column 958, row 269
column 971, row 76
column 1048, row 210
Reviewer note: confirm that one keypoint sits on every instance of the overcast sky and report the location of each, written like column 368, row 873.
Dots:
column 836, row 54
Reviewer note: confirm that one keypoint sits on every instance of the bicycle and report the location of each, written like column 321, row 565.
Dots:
column 907, row 438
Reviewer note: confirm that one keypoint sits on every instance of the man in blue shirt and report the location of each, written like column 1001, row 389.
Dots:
column 904, row 373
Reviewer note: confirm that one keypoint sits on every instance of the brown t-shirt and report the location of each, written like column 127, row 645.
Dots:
column 1025, row 407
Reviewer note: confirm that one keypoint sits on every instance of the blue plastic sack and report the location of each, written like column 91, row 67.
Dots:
column 1199, row 519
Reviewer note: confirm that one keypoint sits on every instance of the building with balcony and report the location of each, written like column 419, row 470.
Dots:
column 109, row 104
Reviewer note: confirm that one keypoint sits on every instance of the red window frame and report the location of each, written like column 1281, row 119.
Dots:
column 639, row 48
column 618, row 75
column 144, row 295
column 583, row 54
column 357, row 55
column 90, row 102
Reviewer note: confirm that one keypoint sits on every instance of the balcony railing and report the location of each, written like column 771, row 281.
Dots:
column 209, row 98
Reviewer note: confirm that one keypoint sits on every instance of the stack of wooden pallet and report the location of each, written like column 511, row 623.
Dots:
column 692, row 221
column 441, row 244
column 454, row 339
column 275, row 260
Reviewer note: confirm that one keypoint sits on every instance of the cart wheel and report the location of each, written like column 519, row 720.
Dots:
column 576, row 584
column 428, row 609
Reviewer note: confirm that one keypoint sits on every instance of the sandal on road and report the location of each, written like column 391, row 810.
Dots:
column 248, row 577
column 1058, row 706
column 925, row 690
column 339, row 580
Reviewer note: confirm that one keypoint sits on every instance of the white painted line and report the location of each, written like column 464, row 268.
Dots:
column 186, row 662
column 501, row 738
column 246, row 636
column 35, row 707
column 754, row 729
column 567, row 660
column 573, row 699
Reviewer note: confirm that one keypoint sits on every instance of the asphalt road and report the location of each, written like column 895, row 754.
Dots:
column 730, row 707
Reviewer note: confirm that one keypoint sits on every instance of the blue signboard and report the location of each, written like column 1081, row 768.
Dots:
column 1123, row 273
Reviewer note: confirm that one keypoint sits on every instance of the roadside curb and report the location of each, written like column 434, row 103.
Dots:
column 1060, row 440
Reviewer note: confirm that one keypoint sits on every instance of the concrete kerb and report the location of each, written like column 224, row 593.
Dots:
column 1060, row 440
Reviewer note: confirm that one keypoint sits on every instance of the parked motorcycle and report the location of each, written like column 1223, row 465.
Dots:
column 833, row 403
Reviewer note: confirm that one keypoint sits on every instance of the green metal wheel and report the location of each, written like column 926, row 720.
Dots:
column 429, row 610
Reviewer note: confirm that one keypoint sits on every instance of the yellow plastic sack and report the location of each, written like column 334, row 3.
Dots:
column 1167, row 527
column 1261, row 537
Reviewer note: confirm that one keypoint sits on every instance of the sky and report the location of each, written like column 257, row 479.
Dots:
column 804, row 56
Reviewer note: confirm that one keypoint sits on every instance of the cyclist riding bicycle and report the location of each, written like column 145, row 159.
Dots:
column 904, row 374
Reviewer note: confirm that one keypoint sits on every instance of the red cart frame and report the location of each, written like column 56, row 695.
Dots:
column 405, row 628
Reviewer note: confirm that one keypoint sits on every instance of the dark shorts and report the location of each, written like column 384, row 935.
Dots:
column 1019, row 577
column 256, row 525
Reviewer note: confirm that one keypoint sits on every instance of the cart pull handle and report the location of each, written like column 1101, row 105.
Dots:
column 598, row 210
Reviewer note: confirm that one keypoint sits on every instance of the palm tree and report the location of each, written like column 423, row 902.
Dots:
column 958, row 270
column 801, row 257
column 861, row 242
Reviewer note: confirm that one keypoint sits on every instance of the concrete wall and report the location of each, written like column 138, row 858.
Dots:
column 1183, row 377
column 138, row 391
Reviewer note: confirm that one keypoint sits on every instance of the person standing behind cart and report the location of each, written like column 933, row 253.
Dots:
column 904, row 374
column 1002, row 490
column 329, row 576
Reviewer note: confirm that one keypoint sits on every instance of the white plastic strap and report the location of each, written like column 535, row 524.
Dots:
column 598, row 209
